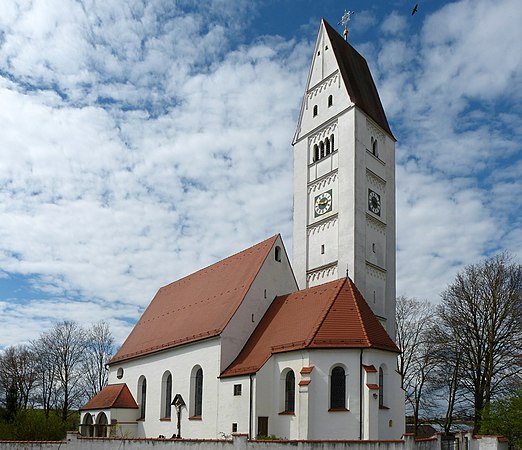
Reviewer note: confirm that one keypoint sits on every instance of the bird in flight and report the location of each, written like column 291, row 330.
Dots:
column 415, row 9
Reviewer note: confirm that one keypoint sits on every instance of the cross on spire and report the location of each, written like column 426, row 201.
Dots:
column 344, row 21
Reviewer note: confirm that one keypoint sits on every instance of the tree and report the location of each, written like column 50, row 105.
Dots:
column 64, row 348
column 482, row 311
column 504, row 417
column 18, row 374
column 417, row 359
column 99, row 350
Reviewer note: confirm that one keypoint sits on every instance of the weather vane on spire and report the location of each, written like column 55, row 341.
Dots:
column 344, row 22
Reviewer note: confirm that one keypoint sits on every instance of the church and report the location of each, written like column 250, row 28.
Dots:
column 256, row 345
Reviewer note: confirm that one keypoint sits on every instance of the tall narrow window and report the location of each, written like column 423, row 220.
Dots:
column 143, row 396
column 315, row 110
column 198, row 393
column 321, row 146
column 316, row 152
column 338, row 388
column 167, row 395
column 290, row 392
column 375, row 149
column 381, row 387
column 330, row 100
column 277, row 254
column 332, row 142
column 327, row 142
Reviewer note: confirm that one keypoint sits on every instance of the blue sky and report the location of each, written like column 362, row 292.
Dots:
column 141, row 141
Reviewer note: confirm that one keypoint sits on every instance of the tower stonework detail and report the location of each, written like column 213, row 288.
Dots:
column 344, row 178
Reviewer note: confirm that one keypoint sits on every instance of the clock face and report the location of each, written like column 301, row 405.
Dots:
column 323, row 203
column 374, row 202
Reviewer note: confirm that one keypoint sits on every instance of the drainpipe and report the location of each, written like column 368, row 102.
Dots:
column 361, row 394
column 250, row 409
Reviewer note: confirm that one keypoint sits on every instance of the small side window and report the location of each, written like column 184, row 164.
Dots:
column 277, row 254
column 330, row 100
column 237, row 389
column 315, row 110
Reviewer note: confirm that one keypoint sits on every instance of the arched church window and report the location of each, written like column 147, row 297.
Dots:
column 142, row 395
column 375, row 149
column 198, row 393
column 316, row 152
column 290, row 392
column 338, row 388
column 315, row 110
column 381, row 387
column 321, row 147
column 166, row 395
column 332, row 142
column 330, row 100
column 327, row 142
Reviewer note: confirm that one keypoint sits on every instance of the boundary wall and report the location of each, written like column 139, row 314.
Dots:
column 74, row 441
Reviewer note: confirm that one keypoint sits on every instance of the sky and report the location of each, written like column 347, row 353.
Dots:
column 143, row 140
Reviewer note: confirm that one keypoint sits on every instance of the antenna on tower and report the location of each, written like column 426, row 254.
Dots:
column 344, row 22
column 347, row 271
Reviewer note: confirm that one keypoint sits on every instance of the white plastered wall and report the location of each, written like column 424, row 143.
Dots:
column 273, row 279
column 179, row 362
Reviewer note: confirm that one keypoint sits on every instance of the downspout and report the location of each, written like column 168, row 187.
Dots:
column 360, row 395
column 250, row 409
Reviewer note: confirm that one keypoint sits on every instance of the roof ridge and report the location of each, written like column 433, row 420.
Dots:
column 355, row 291
column 323, row 316
column 221, row 261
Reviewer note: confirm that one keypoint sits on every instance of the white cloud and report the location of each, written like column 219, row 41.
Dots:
column 139, row 144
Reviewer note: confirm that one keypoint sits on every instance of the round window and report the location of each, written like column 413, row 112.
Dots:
column 119, row 373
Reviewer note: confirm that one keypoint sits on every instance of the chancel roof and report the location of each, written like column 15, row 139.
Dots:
column 112, row 396
column 331, row 315
column 196, row 307
column 357, row 78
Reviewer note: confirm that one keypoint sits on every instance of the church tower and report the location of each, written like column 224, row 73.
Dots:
column 344, row 179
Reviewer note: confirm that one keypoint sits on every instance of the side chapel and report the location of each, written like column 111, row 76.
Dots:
column 255, row 345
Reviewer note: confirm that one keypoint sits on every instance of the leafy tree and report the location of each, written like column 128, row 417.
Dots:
column 504, row 417
column 482, row 311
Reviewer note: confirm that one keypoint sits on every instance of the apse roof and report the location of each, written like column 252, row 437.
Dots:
column 196, row 307
column 331, row 315
column 112, row 396
column 357, row 78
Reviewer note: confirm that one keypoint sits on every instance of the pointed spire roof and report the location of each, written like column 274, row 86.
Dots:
column 112, row 396
column 196, row 307
column 357, row 78
column 331, row 315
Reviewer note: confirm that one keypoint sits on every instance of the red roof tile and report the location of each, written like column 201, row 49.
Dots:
column 196, row 307
column 112, row 396
column 331, row 315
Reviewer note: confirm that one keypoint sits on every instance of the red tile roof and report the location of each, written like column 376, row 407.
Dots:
column 357, row 78
column 196, row 307
column 331, row 315
column 112, row 396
